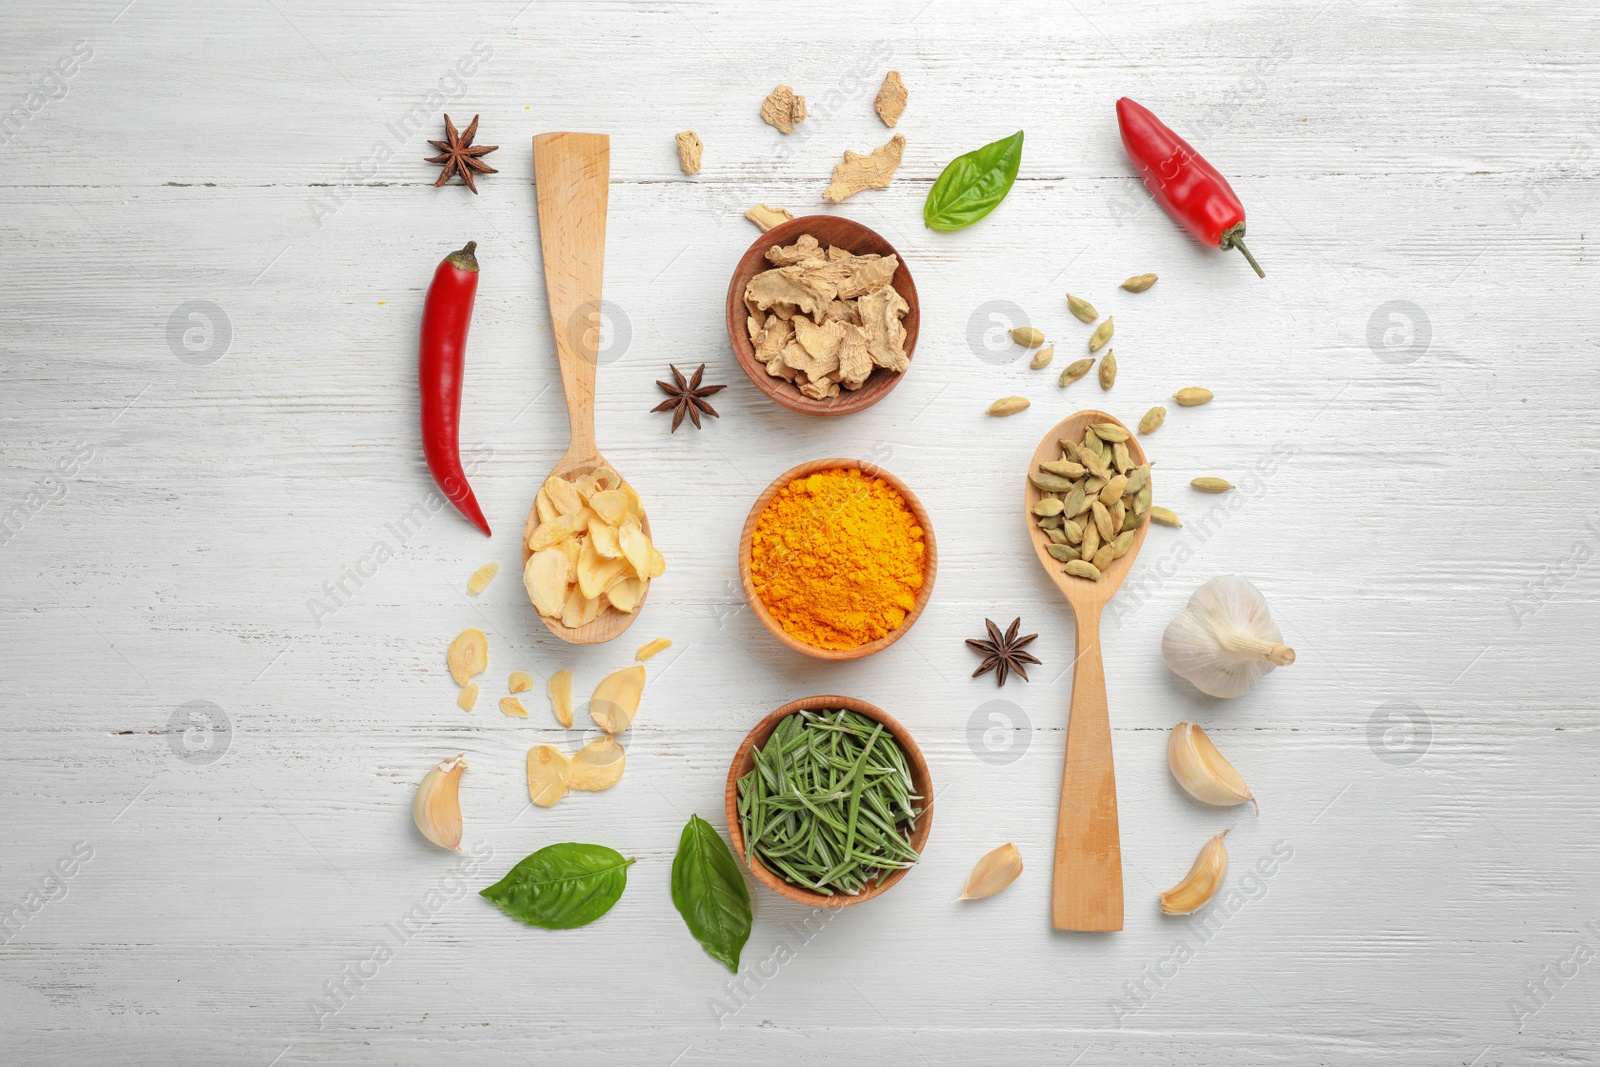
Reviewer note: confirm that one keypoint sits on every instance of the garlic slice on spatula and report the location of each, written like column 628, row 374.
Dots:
column 1225, row 641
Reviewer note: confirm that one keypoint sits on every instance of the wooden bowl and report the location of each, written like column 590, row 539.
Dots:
column 930, row 559
column 852, row 237
column 744, row 759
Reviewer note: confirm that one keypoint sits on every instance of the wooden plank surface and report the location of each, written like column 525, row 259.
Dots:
column 217, row 231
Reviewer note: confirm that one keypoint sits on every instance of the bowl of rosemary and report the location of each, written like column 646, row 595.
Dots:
column 829, row 801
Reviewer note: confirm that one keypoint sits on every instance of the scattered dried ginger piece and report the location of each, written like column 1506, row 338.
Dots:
column 859, row 172
column 891, row 101
column 467, row 697
column 768, row 217
column 689, row 147
column 512, row 706
column 481, row 578
column 520, row 682
column 651, row 648
column 783, row 110
column 560, row 689
column 468, row 655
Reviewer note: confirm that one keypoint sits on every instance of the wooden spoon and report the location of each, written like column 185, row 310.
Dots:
column 1086, row 893
column 570, row 174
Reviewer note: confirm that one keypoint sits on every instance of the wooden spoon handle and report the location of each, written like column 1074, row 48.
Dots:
column 571, row 174
column 1086, row 893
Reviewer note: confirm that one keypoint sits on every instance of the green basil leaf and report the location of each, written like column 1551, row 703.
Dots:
column 710, row 894
column 973, row 185
column 562, row 886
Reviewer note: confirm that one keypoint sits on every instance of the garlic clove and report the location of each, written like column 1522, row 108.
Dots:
column 1202, row 881
column 993, row 873
column 1204, row 773
column 1225, row 641
column 437, row 807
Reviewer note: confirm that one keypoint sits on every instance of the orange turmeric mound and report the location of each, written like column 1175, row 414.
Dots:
column 837, row 558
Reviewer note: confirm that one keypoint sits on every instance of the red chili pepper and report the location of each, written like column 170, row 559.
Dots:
column 1180, row 179
column 445, row 318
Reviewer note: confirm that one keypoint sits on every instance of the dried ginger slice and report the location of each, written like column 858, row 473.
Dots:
column 866, row 274
column 890, row 103
column 783, row 110
column 768, row 217
column 855, row 362
column 689, row 148
column 881, row 311
column 771, row 289
column 817, row 349
column 858, row 172
column 805, row 247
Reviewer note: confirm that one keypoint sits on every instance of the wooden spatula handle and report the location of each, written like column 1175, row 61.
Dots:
column 571, row 176
column 1086, row 892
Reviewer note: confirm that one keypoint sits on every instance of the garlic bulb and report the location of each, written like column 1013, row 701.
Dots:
column 1225, row 640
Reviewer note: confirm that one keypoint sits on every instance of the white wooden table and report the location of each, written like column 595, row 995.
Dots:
column 217, row 230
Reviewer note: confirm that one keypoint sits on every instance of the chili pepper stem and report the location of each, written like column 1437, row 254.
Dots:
column 1240, row 246
column 464, row 258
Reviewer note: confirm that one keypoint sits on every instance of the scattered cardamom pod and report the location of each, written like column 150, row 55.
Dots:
column 1041, row 359
column 1047, row 507
column 1192, row 397
column 1109, row 431
column 1164, row 517
column 1027, row 337
column 1102, row 334
column 1108, row 369
column 1083, row 570
column 1212, row 485
column 1008, row 405
column 1153, row 419
column 1139, row 283
column 1075, row 370
column 1081, row 308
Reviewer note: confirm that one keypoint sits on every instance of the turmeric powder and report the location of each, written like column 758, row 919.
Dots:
column 837, row 558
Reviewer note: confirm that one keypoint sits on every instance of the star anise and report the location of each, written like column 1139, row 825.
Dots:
column 687, row 397
column 460, row 156
column 1003, row 653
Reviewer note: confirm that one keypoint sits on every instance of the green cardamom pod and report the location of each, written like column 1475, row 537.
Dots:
column 1153, row 419
column 1108, row 370
column 1192, row 397
column 1081, row 308
column 1027, row 337
column 1212, row 485
column 1165, row 517
column 1139, row 283
column 1102, row 334
column 1075, row 370
column 1109, row 431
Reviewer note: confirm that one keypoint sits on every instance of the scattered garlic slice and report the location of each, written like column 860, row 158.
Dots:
column 1225, row 640
column 1202, row 881
column 1205, row 773
column 560, row 690
column 468, row 655
column 597, row 765
column 519, row 682
column 513, row 707
column 993, row 873
column 437, row 807
column 650, row 648
column 616, row 699
column 549, row 770
column 468, row 697
column 481, row 578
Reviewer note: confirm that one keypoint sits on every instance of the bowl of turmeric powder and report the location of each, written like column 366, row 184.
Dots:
column 837, row 558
